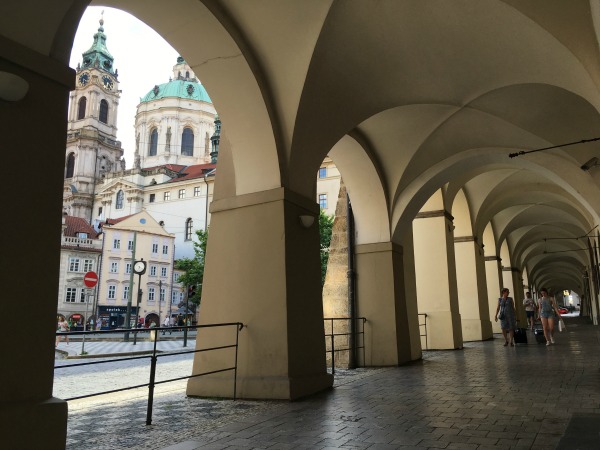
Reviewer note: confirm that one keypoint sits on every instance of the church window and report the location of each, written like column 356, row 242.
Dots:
column 103, row 111
column 196, row 191
column 167, row 196
column 152, row 198
column 181, row 193
column 120, row 197
column 81, row 109
column 188, row 229
column 153, row 142
column 187, row 142
column 70, row 165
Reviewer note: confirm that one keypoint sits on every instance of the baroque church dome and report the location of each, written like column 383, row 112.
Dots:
column 185, row 86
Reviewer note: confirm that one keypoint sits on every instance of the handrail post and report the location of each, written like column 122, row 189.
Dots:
column 151, row 387
column 332, row 350
column 237, row 340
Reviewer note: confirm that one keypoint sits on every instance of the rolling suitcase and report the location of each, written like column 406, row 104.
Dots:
column 520, row 335
column 539, row 336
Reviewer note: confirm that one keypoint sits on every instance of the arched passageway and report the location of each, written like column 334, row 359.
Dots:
column 404, row 117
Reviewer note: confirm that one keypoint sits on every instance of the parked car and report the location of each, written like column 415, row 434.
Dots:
column 562, row 310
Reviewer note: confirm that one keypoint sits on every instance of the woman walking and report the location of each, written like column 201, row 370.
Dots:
column 506, row 313
column 548, row 310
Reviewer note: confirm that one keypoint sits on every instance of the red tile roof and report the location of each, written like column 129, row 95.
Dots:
column 110, row 221
column 78, row 225
column 192, row 172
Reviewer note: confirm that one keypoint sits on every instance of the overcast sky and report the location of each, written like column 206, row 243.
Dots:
column 141, row 56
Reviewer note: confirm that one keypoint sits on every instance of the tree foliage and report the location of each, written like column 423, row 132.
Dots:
column 194, row 267
column 325, row 229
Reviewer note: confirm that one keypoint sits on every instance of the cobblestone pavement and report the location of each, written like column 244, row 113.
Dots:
column 485, row 396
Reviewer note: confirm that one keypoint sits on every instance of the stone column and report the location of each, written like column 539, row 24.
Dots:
column 472, row 289
column 493, row 272
column 392, row 327
column 513, row 281
column 30, row 416
column 263, row 269
column 436, row 278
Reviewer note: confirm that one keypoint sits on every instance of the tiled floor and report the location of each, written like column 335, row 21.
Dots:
column 485, row 396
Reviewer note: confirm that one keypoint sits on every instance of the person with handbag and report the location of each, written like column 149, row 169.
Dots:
column 548, row 313
column 505, row 311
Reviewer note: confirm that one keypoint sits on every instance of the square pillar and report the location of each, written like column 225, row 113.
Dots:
column 263, row 269
column 29, row 414
column 436, row 279
column 392, row 327
column 493, row 272
column 472, row 289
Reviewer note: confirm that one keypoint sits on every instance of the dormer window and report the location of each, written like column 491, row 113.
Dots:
column 82, row 235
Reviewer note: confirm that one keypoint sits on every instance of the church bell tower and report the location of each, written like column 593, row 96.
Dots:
column 92, row 147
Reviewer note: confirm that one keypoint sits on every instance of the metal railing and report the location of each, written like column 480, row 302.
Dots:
column 331, row 336
column 423, row 328
column 154, row 359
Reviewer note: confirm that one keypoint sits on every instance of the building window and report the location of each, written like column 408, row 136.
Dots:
column 174, row 298
column 103, row 111
column 187, row 142
column 70, row 165
column 114, row 267
column 153, row 142
column 176, row 277
column 163, row 272
column 82, row 296
column 126, row 292
column 120, row 197
column 128, row 267
column 197, row 191
column 71, row 295
column 167, row 196
column 100, row 211
column 155, row 248
column 152, row 271
column 181, row 193
column 162, row 294
column 130, row 246
column 323, row 201
column 150, row 294
column 165, row 249
column 82, row 235
column 73, row 264
column 188, row 229
column 112, row 292
column 81, row 109
column 323, row 172
column 116, row 244
column 152, row 198
column 88, row 265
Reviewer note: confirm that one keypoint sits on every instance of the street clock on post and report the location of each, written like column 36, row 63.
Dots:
column 139, row 267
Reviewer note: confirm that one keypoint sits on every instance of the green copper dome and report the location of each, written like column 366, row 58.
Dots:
column 185, row 89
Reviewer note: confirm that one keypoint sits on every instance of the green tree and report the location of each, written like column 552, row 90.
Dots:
column 325, row 228
column 194, row 267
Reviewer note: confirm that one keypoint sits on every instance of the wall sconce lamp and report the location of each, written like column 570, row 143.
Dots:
column 12, row 87
column 307, row 220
